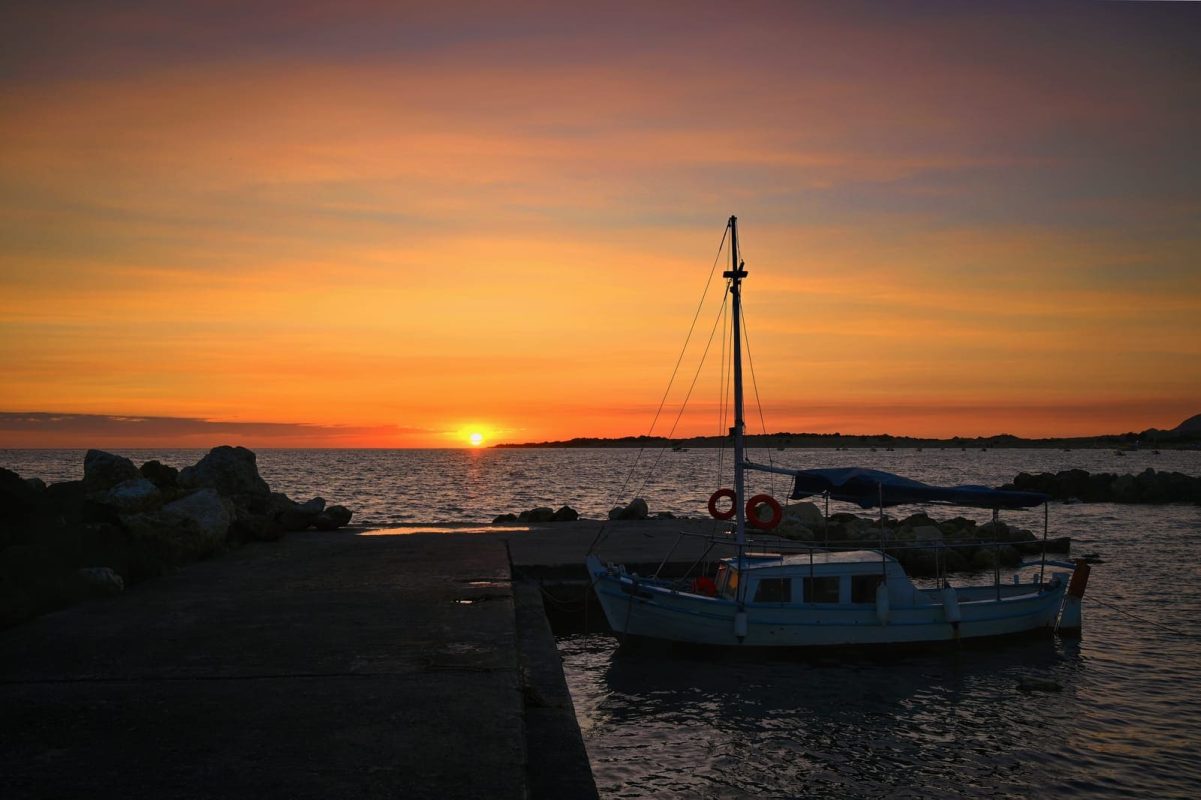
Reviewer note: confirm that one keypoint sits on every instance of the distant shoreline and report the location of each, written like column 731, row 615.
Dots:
column 1152, row 439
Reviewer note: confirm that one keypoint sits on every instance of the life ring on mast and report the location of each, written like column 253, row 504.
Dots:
column 752, row 512
column 719, row 494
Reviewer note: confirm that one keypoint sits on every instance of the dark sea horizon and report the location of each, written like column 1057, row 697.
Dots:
column 1125, row 721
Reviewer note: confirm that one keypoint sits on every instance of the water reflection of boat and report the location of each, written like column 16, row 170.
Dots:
column 822, row 597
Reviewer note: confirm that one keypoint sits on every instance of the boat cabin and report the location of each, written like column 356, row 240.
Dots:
column 820, row 578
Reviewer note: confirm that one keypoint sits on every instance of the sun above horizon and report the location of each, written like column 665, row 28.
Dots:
column 476, row 439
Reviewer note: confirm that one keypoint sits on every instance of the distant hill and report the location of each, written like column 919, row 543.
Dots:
column 1186, row 435
column 1190, row 425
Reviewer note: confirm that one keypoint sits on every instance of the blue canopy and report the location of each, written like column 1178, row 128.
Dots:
column 867, row 487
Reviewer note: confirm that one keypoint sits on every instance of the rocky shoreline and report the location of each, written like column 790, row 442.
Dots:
column 122, row 524
column 1148, row 487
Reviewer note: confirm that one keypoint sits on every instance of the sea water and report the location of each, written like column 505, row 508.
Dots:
column 1125, row 722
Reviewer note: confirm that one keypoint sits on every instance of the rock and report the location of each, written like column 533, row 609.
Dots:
column 1125, row 490
column 314, row 506
column 160, row 475
column 540, row 514
column 294, row 520
column 332, row 518
column 103, row 470
column 806, row 514
column 37, row 484
column 797, row 532
column 16, row 495
column 637, row 509
column 136, row 494
column 616, row 512
column 566, row 514
column 232, row 471
column 665, row 515
column 191, row 527
column 101, row 580
column 503, row 518
column 251, row 526
column 927, row 535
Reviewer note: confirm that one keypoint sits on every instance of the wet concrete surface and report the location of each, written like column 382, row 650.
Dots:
column 325, row 665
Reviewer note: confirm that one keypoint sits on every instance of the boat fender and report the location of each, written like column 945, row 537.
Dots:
column 719, row 494
column 883, row 607
column 950, row 605
column 1079, row 579
column 752, row 512
column 740, row 625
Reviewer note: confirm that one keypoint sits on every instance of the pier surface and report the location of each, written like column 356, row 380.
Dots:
column 325, row 665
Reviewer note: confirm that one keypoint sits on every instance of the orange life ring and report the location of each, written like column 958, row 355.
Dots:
column 719, row 494
column 752, row 512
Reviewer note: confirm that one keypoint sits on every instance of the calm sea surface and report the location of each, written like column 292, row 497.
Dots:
column 1127, row 722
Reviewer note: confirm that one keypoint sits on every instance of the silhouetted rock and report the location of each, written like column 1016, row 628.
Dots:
column 160, row 474
column 232, row 471
column 332, row 518
column 133, row 495
column 17, row 497
column 251, row 526
column 540, row 514
column 191, row 527
column 566, row 514
column 103, row 470
column 101, row 580
column 503, row 518
column 637, row 509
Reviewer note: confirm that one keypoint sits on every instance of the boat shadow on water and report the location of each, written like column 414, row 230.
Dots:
column 825, row 722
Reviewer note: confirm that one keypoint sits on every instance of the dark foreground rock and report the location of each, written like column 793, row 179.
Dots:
column 121, row 524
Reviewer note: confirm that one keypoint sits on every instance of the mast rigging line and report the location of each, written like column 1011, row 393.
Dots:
column 683, row 350
column 684, row 405
column 600, row 534
column 746, row 335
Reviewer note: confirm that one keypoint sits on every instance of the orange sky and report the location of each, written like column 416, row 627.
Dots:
column 372, row 224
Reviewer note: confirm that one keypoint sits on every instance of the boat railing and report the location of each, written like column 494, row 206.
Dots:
column 757, row 547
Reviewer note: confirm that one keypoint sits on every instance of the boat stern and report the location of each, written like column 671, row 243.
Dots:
column 1071, row 613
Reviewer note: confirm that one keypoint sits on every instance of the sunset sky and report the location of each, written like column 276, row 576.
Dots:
column 384, row 224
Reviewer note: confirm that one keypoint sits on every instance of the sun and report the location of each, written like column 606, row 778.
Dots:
column 476, row 439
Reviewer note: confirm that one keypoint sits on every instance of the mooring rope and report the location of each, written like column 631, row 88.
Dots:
column 1145, row 621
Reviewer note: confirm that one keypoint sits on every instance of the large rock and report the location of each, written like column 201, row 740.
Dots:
column 539, row 514
column 566, row 514
column 805, row 514
column 333, row 518
column 16, row 495
column 191, row 527
column 103, row 470
column 160, row 474
column 101, row 580
column 299, row 516
column 136, row 494
column 637, row 509
column 232, row 471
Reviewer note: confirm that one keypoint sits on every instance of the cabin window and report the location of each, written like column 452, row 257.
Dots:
column 821, row 590
column 774, row 590
column 863, row 588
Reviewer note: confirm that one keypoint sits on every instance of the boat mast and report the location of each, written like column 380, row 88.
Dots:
column 736, row 273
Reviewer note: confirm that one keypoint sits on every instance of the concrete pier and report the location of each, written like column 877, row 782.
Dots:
column 325, row 665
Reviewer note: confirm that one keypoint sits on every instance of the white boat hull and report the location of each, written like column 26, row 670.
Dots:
column 640, row 608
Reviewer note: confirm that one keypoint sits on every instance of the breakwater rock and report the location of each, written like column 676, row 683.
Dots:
column 1148, row 486
column 122, row 524
column 925, row 546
